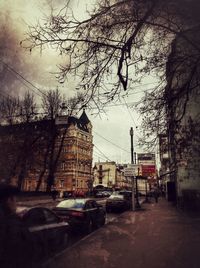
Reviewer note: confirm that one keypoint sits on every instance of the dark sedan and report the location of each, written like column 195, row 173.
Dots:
column 48, row 231
column 81, row 214
column 119, row 201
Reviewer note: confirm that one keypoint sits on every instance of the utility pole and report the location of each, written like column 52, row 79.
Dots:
column 137, row 204
column 132, row 162
column 135, row 157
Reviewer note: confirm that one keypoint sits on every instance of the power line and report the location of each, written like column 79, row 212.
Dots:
column 130, row 113
column 102, row 153
column 138, row 136
column 22, row 77
column 23, row 82
column 99, row 156
column 111, row 142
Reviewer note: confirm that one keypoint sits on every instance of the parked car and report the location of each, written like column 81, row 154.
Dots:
column 119, row 201
column 102, row 194
column 49, row 232
column 99, row 194
column 67, row 194
column 81, row 214
column 106, row 194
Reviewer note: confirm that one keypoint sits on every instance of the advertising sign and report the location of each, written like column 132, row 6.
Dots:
column 148, row 170
column 131, row 170
column 146, row 157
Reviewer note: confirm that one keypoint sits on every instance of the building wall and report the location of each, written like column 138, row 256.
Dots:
column 105, row 174
column 73, row 167
column 184, row 114
column 110, row 174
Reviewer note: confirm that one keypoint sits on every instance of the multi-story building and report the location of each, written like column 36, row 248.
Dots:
column 48, row 153
column 109, row 174
column 105, row 174
column 122, row 181
column 183, row 98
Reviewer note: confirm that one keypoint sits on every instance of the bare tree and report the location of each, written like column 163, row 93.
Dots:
column 119, row 44
column 28, row 108
column 51, row 103
column 75, row 104
column 9, row 109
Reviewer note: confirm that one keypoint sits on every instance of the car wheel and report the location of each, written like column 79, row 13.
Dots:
column 108, row 210
column 65, row 240
column 89, row 227
column 103, row 220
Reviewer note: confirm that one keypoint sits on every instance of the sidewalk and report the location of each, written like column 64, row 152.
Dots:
column 156, row 237
column 47, row 201
column 39, row 202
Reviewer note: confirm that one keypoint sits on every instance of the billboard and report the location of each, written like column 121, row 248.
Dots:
column 132, row 170
column 146, row 157
column 148, row 170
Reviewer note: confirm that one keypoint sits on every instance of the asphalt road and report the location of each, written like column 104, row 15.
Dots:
column 109, row 218
column 75, row 237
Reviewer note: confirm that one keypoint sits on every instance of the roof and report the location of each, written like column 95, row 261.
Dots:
column 45, row 124
column 81, row 122
column 84, row 119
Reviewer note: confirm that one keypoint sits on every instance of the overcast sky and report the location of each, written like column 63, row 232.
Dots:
column 111, row 131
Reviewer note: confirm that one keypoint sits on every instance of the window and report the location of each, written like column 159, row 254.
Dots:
column 35, row 217
column 50, row 217
column 71, row 203
column 64, row 149
column 61, row 183
column 62, row 165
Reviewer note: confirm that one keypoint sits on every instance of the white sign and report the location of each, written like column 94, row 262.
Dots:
column 61, row 120
column 131, row 170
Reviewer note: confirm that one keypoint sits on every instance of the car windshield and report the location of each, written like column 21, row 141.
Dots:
column 21, row 209
column 72, row 203
column 116, row 196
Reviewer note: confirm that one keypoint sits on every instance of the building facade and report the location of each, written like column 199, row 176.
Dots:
column 183, row 98
column 55, row 153
column 110, row 174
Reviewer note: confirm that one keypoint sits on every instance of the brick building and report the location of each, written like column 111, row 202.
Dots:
column 38, row 155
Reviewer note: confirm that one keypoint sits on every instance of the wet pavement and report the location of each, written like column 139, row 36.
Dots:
column 156, row 236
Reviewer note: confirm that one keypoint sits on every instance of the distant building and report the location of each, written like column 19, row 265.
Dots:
column 48, row 153
column 109, row 174
column 123, row 182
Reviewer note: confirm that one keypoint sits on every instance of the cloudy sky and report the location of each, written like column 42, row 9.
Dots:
column 111, row 130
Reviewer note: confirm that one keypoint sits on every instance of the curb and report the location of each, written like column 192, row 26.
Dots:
column 51, row 260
